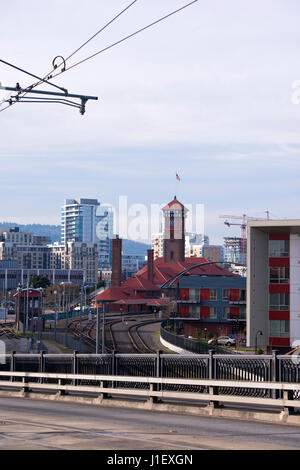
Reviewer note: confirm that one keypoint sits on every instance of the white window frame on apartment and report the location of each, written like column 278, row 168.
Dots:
column 282, row 330
column 280, row 304
column 282, row 251
column 279, row 280
column 213, row 294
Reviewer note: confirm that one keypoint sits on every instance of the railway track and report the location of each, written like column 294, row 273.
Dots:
column 136, row 341
column 7, row 331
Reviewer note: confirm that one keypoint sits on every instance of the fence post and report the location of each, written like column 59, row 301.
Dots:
column 113, row 366
column 274, row 372
column 212, row 375
column 75, row 366
column 158, row 364
column 211, row 364
column 12, row 364
column 42, row 365
column 156, row 387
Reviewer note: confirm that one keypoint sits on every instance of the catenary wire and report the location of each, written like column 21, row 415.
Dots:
column 115, row 43
column 86, row 42
column 126, row 37
column 29, row 88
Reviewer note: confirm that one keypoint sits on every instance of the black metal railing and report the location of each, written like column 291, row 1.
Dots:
column 253, row 368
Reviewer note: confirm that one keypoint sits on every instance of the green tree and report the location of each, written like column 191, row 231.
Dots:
column 39, row 281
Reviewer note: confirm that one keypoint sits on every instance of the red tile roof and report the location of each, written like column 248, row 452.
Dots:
column 175, row 204
column 133, row 287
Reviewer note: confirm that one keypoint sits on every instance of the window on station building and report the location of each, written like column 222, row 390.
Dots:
column 213, row 294
column 226, row 294
column 279, row 248
column 213, row 312
column 226, row 313
column 195, row 311
column 279, row 301
column 279, row 275
column 242, row 312
column 243, row 294
column 279, row 328
column 195, row 295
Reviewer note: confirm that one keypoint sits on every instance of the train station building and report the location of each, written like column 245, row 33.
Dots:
column 205, row 297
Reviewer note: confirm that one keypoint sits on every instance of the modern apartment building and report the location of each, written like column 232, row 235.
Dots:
column 233, row 249
column 273, row 283
column 86, row 221
column 79, row 221
column 105, row 234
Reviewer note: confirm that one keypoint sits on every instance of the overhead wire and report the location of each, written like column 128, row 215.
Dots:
column 86, row 42
column 29, row 88
column 172, row 13
column 126, row 38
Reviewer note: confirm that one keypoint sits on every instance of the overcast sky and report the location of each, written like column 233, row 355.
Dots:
column 207, row 94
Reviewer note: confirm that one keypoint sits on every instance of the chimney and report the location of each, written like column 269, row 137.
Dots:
column 151, row 265
column 116, row 276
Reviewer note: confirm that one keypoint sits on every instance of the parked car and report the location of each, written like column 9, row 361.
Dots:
column 226, row 341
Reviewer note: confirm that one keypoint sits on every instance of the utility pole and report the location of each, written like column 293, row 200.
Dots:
column 98, row 330
column 80, row 313
column 103, row 328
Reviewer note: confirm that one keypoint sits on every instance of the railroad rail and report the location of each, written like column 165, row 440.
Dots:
column 136, row 340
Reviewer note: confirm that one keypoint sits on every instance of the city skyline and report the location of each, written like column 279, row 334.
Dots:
column 205, row 95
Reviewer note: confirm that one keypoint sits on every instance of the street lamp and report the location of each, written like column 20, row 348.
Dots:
column 259, row 333
column 205, row 333
column 40, row 317
column 55, row 314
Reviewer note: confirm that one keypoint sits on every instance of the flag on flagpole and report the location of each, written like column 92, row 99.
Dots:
column 178, row 177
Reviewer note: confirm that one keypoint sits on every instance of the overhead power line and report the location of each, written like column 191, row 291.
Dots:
column 49, row 76
column 44, row 80
column 87, row 42
column 126, row 38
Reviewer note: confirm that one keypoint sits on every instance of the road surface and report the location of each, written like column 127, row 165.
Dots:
column 32, row 424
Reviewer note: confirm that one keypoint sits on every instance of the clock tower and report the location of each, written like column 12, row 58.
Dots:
column 174, row 233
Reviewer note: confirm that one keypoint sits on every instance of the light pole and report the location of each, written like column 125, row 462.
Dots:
column 80, row 314
column 40, row 317
column 258, row 333
column 98, row 329
column 55, row 314
column 103, row 327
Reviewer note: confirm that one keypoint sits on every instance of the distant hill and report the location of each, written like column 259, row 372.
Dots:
column 135, row 248
column 53, row 231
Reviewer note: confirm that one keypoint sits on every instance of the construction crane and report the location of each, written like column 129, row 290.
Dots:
column 244, row 218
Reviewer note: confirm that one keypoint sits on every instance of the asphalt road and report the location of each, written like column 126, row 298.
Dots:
column 39, row 425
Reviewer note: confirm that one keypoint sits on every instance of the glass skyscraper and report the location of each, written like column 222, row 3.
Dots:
column 86, row 221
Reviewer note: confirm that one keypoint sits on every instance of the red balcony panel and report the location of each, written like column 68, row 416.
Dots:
column 205, row 294
column 279, row 315
column 234, row 312
column 279, row 262
column 279, row 236
column 184, row 294
column 279, row 341
column 184, row 311
column 279, row 288
column 234, row 295
column 205, row 312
